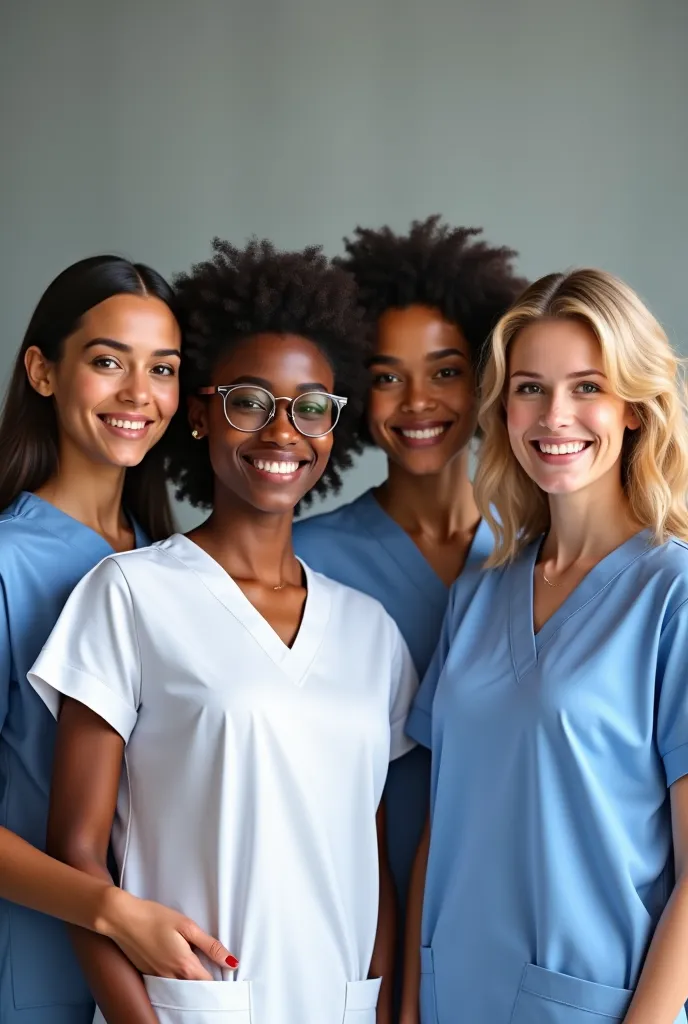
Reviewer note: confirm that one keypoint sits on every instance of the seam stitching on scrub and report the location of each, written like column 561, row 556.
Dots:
column 674, row 614
column 114, row 559
column 518, row 992
column 574, row 1006
column 580, row 608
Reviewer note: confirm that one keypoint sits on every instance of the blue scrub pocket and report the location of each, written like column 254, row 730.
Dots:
column 549, row 998
column 428, row 1000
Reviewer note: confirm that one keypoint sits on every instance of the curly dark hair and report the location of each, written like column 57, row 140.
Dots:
column 470, row 282
column 240, row 293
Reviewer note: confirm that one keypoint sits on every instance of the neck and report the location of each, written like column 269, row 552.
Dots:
column 90, row 492
column 249, row 544
column 440, row 505
column 589, row 524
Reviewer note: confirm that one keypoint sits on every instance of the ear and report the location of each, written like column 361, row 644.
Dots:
column 40, row 371
column 632, row 417
column 198, row 415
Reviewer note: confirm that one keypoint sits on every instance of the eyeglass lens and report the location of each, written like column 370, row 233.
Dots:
column 249, row 408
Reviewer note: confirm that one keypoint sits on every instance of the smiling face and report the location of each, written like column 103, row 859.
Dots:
column 116, row 385
column 566, row 426
column 422, row 401
column 271, row 468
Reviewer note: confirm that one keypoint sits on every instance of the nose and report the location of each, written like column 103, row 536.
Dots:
column 416, row 397
column 280, row 430
column 557, row 410
column 136, row 389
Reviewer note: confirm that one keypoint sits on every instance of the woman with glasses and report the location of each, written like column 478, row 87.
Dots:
column 431, row 297
column 94, row 386
column 257, row 703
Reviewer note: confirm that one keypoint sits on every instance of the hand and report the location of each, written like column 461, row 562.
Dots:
column 158, row 940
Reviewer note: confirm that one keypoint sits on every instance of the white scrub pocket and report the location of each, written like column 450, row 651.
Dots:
column 361, row 1001
column 199, row 1002
column 546, row 997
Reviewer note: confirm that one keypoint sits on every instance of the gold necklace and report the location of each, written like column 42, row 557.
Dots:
column 548, row 582
column 281, row 586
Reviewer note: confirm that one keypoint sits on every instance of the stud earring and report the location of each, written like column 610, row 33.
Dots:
column 196, row 436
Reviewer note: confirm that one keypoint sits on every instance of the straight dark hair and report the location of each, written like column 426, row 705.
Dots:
column 29, row 431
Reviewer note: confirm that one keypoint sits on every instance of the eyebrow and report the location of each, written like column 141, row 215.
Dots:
column 261, row 382
column 441, row 353
column 569, row 376
column 120, row 346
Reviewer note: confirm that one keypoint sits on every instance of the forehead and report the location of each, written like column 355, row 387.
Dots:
column 416, row 331
column 285, row 360
column 555, row 347
column 132, row 319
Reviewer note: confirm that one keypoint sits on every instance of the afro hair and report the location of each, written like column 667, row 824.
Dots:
column 241, row 293
column 470, row 282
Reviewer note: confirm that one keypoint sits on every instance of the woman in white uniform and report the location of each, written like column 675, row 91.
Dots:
column 556, row 706
column 256, row 703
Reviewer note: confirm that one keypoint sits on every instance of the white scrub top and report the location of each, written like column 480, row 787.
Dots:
column 552, row 756
column 253, row 772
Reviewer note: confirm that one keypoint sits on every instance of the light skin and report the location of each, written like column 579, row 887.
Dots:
column 133, row 375
column 423, row 383
column 557, row 394
column 121, row 365
column 249, row 535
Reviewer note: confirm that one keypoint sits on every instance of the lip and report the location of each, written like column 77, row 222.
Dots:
column 276, row 479
column 128, row 433
column 422, row 425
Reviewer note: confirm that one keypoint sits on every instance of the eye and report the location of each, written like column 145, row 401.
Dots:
column 529, row 389
column 105, row 363
column 588, row 388
column 163, row 370
column 448, row 372
column 380, row 379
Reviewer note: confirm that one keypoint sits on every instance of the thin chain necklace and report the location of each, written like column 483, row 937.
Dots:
column 280, row 586
column 548, row 582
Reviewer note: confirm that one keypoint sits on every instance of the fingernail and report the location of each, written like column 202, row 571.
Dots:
column 232, row 962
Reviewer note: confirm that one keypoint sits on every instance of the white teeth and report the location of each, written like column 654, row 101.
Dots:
column 428, row 432
column 567, row 448
column 280, row 468
column 125, row 424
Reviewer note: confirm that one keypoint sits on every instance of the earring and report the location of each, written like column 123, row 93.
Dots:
column 196, row 436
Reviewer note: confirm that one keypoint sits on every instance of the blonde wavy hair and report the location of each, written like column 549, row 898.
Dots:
column 641, row 368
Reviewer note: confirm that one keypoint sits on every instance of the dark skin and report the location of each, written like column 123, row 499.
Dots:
column 249, row 535
column 423, row 381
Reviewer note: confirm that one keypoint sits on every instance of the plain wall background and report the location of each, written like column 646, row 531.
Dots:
column 147, row 127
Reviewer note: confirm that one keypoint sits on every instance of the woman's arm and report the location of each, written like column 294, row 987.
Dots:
column 663, row 986
column 382, row 962
column 410, row 1010
column 156, row 939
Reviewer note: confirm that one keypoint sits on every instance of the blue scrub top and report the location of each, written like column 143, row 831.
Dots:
column 551, row 850
column 362, row 546
column 43, row 555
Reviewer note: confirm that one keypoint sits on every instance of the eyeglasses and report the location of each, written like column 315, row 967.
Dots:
column 250, row 408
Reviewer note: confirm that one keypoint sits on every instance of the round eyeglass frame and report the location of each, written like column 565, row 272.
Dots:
column 338, row 403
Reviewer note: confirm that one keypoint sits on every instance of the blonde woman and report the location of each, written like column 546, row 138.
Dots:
column 556, row 706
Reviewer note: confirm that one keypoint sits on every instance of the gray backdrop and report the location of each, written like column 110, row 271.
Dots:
column 146, row 127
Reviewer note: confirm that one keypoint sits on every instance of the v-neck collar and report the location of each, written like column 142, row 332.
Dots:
column 294, row 661
column 406, row 553
column 526, row 644
column 72, row 531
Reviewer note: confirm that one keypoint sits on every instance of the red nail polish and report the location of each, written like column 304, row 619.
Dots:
column 232, row 962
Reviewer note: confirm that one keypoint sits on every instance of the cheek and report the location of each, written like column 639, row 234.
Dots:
column 167, row 397
column 381, row 405
column 520, row 418
column 322, row 446
column 78, row 390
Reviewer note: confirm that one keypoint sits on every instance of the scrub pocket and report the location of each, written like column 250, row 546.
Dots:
column 199, row 1002
column 361, row 1001
column 549, row 998
column 428, row 1000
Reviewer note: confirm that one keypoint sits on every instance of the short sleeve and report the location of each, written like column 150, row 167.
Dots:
column 672, row 706
column 92, row 653
column 5, row 656
column 419, row 724
column 404, row 686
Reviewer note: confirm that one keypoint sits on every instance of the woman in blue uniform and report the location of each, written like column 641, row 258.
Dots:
column 556, row 706
column 432, row 297
column 93, row 389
